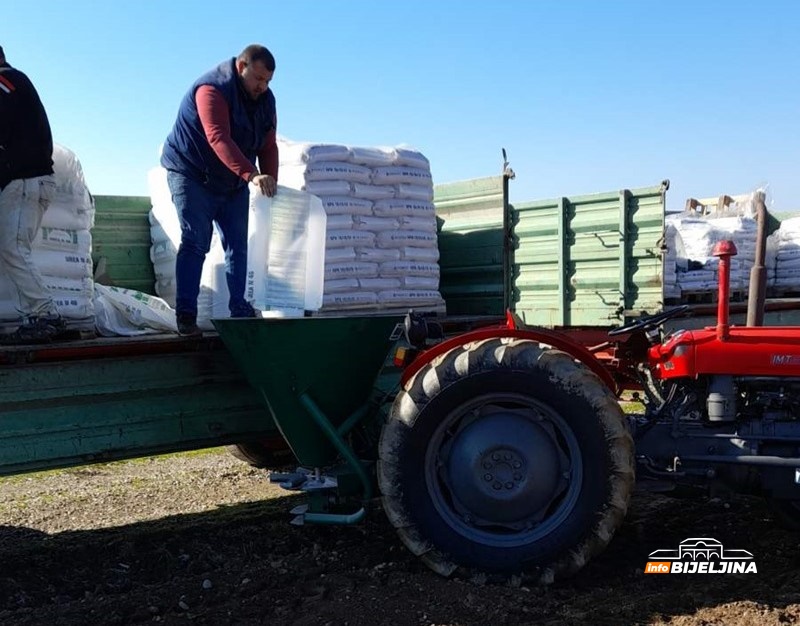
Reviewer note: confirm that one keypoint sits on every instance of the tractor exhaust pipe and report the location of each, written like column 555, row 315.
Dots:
column 757, row 294
column 724, row 250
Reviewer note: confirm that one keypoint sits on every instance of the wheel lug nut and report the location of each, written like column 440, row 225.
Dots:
column 509, row 485
column 516, row 464
column 497, row 485
column 496, row 456
column 517, row 476
column 507, row 456
column 487, row 465
column 488, row 478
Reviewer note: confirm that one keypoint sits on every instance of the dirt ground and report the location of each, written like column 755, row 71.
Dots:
column 205, row 539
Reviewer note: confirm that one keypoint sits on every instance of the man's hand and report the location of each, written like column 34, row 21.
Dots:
column 265, row 183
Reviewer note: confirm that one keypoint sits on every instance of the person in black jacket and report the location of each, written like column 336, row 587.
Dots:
column 27, row 187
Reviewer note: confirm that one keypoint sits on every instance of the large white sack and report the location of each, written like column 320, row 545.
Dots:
column 72, row 206
column 127, row 312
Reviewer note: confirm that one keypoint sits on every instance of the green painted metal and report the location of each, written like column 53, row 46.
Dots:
column 83, row 408
column 588, row 260
column 576, row 261
column 336, row 437
column 471, row 244
column 121, row 240
column 331, row 361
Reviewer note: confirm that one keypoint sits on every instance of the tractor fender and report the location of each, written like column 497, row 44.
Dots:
column 515, row 328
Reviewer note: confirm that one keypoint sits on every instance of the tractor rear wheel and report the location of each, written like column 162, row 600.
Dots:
column 504, row 457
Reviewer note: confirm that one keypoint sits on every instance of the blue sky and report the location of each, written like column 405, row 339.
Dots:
column 584, row 96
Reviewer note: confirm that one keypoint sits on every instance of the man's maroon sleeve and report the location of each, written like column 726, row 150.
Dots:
column 214, row 116
column 268, row 154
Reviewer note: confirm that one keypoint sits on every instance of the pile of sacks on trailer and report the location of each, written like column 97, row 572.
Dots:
column 785, row 245
column 350, row 229
column 62, row 249
column 689, row 265
column 381, row 248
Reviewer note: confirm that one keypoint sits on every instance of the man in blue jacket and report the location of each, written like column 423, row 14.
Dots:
column 27, row 187
column 226, row 120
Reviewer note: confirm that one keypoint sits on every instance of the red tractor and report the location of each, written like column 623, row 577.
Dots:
column 507, row 451
column 722, row 407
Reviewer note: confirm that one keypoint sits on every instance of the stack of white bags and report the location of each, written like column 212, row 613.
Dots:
column 786, row 245
column 674, row 258
column 381, row 249
column 690, row 267
column 62, row 249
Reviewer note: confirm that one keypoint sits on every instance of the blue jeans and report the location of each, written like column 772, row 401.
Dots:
column 198, row 208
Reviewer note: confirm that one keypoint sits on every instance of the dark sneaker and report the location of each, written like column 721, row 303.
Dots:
column 187, row 325
column 245, row 311
column 36, row 330
column 55, row 324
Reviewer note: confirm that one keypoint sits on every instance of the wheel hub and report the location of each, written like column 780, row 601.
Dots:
column 505, row 468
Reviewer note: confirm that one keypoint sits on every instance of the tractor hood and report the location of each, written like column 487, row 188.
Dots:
column 747, row 351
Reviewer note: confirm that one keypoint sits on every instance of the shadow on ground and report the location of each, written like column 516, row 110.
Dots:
column 245, row 564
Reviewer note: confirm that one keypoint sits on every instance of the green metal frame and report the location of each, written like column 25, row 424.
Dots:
column 105, row 399
column 319, row 378
column 314, row 374
column 311, row 379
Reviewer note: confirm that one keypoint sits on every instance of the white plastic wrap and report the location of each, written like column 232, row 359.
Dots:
column 127, row 312
column 286, row 253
